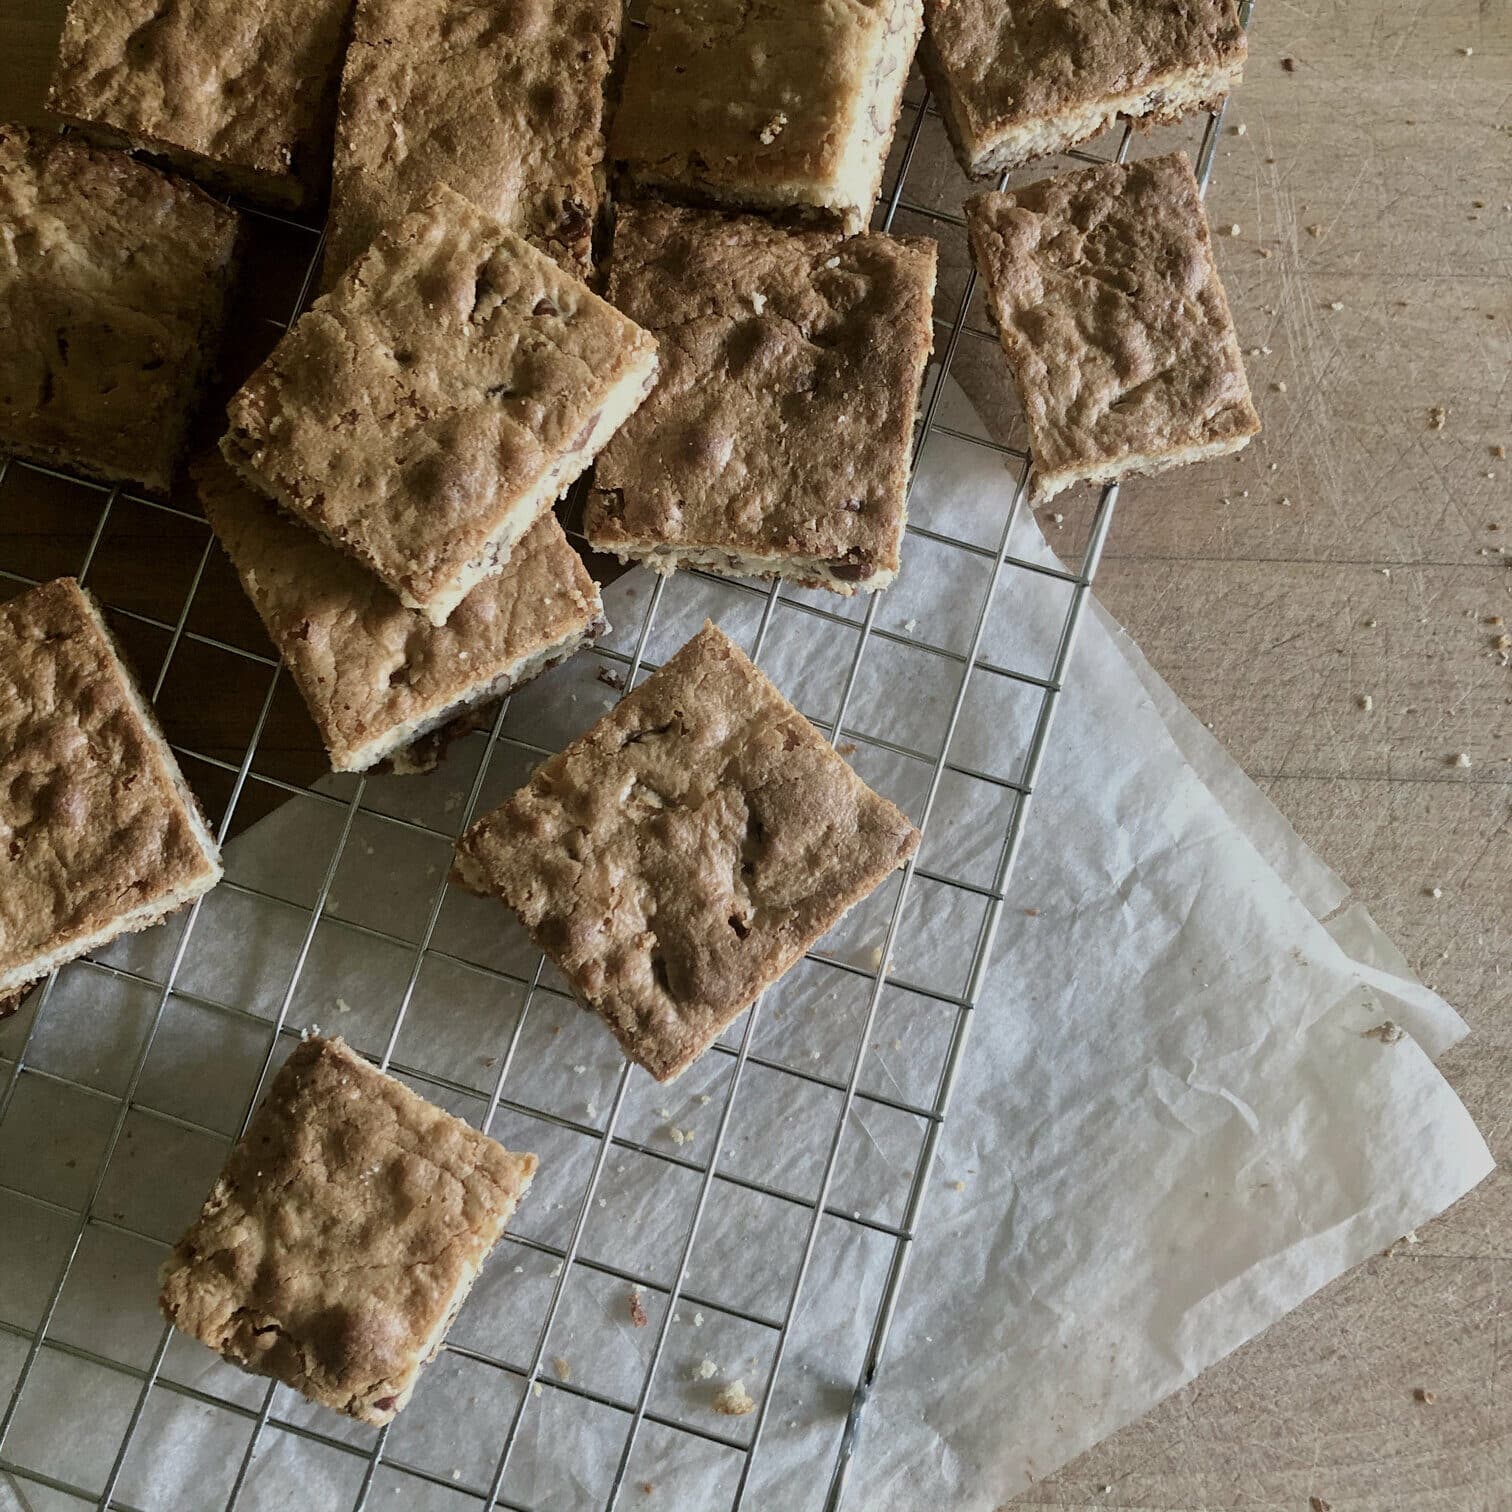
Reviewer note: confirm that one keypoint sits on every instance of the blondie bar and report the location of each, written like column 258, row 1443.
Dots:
column 776, row 441
column 684, row 853
column 425, row 413
column 1116, row 327
column 343, row 1235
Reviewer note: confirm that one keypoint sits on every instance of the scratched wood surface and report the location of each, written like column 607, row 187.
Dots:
column 1351, row 554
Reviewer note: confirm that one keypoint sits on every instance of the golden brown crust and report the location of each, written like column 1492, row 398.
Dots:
column 445, row 382
column 240, row 95
column 762, row 104
column 1112, row 315
column 686, row 851
column 367, row 667
column 783, row 412
column 98, row 834
column 112, row 284
column 503, row 100
column 343, row 1234
column 1001, row 69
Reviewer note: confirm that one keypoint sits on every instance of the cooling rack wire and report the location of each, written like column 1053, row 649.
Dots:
column 30, row 1090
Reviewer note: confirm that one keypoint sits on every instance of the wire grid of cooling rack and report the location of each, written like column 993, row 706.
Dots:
column 530, row 1372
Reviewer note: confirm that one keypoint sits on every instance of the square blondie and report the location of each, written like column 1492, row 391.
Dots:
column 1019, row 81
column 686, row 851
column 241, row 96
column 776, row 441
column 99, row 832
column 113, row 280
column 425, row 413
column 767, row 107
column 343, row 1235
column 1116, row 327
column 502, row 101
column 376, row 676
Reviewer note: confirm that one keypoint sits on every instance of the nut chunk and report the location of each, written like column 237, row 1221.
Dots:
column 99, row 833
column 1116, row 327
column 1017, row 81
column 377, row 676
column 684, row 853
column 503, row 101
column 238, row 95
column 776, row 440
column 343, row 1235
column 769, row 106
column 425, row 413
column 112, row 286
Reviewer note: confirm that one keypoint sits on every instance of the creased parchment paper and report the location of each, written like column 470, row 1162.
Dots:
column 1171, row 1126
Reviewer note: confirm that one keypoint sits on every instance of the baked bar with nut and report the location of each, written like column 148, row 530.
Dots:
column 429, row 409
column 343, row 1235
column 376, row 676
column 98, row 829
column 776, row 441
column 1116, row 327
column 774, row 105
column 1017, row 81
column 503, row 101
column 240, row 96
column 113, row 280
column 686, row 851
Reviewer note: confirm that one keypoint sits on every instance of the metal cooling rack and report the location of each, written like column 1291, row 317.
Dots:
column 1008, row 815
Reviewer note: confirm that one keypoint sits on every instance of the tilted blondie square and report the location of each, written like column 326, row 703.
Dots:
column 241, row 96
column 375, row 675
column 343, row 1235
column 767, row 106
column 1018, row 81
column 681, row 855
column 1116, row 327
column 776, row 441
column 503, row 101
column 112, row 286
column 100, row 833
column 424, row 414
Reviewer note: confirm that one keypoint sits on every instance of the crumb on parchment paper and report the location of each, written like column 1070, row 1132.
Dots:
column 734, row 1400
column 1387, row 1032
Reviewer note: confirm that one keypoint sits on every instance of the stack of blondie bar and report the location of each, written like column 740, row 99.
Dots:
column 741, row 378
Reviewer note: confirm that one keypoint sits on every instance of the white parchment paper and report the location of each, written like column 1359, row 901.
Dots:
column 1170, row 1128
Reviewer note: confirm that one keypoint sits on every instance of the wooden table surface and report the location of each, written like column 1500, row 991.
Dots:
column 1352, row 553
